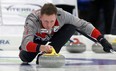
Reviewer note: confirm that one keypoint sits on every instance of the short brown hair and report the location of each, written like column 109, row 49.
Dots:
column 48, row 9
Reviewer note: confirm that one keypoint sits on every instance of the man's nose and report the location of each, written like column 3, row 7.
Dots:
column 49, row 24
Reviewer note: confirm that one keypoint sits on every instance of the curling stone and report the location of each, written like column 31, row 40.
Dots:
column 77, row 47
column 114, row 44
column 97, row 48
column 52, row 60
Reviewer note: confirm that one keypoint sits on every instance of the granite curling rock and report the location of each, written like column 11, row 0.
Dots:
column 52, row 60
column 77, row 47
column 97, row 48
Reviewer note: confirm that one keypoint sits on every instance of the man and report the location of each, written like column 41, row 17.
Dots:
column 54, row 25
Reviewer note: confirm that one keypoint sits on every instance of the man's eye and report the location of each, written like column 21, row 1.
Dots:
column 52, row 21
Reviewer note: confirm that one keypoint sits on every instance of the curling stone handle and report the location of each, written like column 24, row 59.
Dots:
column 52, row 53
column 43, row 52
column 53, row 50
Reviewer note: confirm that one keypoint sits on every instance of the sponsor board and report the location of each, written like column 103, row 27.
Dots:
column 14, row 12
column 10, row 42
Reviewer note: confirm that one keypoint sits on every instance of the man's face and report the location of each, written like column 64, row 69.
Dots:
column 48, row 21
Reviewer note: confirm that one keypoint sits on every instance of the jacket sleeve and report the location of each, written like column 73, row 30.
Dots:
column 30, row 30
column 79, row 23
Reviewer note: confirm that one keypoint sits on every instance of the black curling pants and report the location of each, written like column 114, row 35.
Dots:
column 57, row 41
